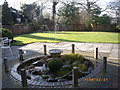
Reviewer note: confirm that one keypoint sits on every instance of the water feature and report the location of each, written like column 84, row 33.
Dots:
column 38, row 72
column 43, row 66
column 55, row 26
column 55, row 52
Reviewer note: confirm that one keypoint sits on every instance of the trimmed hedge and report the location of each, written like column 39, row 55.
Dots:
column 54, row 65
column 6, row 33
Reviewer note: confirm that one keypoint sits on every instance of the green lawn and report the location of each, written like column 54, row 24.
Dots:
column 96, row 37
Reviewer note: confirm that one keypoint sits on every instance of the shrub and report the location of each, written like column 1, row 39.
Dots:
column 45, row 76
column 80, row 74
column 71, row 66
column 45, row 71
column 62, row 72
column 65, row 68
column 6, row 33
column 54, row 65
column 118, row 27
column 82, row 67
column 72, row 58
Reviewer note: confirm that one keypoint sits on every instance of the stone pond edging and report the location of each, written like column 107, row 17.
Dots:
column 40, row 82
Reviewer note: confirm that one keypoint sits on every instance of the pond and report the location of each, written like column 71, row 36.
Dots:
column 56, row 68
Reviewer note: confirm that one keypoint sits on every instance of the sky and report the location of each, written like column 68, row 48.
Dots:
column 17, row 3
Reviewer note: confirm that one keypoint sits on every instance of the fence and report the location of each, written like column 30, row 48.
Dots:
column 103, row 27
column 23, row 29
column 82, row 27
column 20, row 29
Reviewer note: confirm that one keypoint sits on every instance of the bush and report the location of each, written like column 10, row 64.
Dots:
column 63, row 71
column 82, row 67
column 80, row 74
column 118, row 27
column 45, row 71
column 72, row 58
column 65, row 68
column 54, row 65
column 45, row 76
column 6, row 33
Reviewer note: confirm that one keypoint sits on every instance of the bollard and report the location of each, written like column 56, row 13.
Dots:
column 45, row 50
column 73, row 48
column 5, row 65
column 96, row 53
column 21, row 55
column 104, row 68
column 23, row 77
column 75, row 77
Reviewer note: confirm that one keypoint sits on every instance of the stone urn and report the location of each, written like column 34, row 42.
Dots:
column 55, row 52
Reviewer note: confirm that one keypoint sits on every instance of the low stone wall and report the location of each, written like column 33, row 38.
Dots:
column 43, row 83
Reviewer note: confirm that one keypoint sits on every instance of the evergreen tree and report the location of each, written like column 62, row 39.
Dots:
column 6, row 14
column 68, row 13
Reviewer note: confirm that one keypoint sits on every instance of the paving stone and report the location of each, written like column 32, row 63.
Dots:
column 69, row 82
column 50, row 84
column 85, row 47
column 38, row 83
column 34, row 82
column 60, row 84
column 32, row 48
column 16, row 76
column 31, row 82
column 114, row 52
column 106, row 48
column 44, row 84
column 55, row 84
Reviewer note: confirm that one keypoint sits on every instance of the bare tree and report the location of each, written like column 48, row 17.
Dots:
column 87, row 5
column 88, row 9
column 54, row 9
column 42, row 6
column 114, row 9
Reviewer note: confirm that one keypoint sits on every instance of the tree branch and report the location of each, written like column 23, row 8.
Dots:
column 82, row 4
column 104, row 9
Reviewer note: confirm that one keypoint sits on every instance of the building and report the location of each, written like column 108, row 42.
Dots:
column 16, row 15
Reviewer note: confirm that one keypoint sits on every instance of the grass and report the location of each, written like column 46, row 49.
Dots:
column 94, row 37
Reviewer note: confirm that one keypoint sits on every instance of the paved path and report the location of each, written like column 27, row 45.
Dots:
column 105, row 49
column 33, row 49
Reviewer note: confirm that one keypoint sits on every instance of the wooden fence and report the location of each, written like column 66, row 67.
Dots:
column 24, row 29
column 20, row 29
